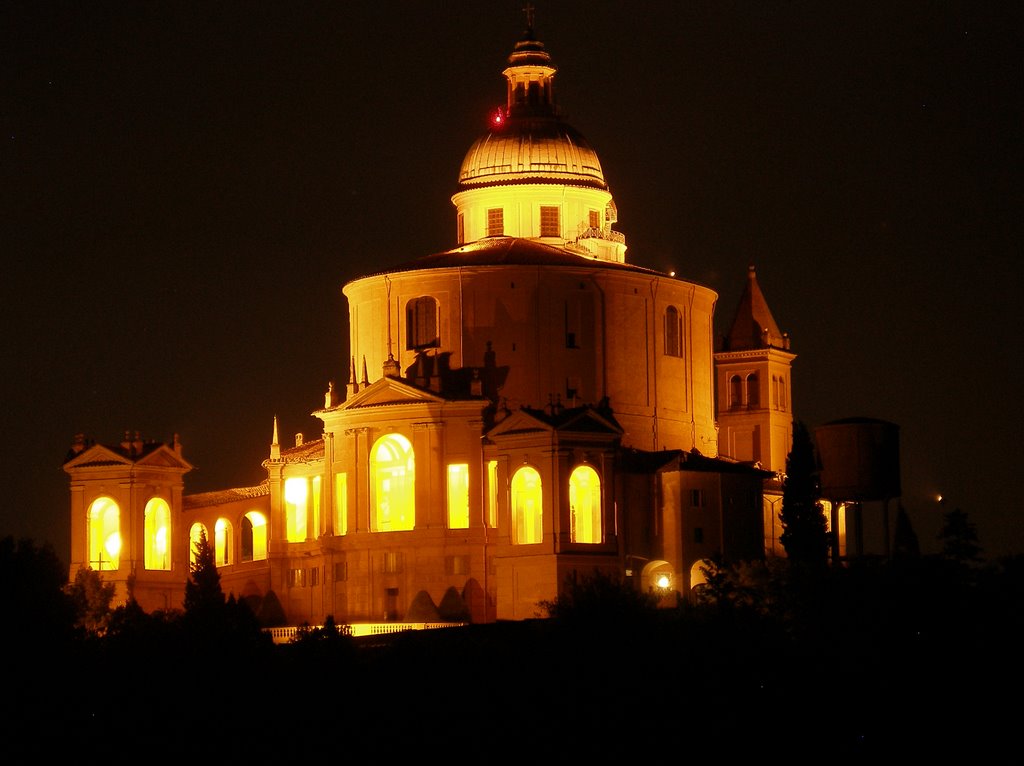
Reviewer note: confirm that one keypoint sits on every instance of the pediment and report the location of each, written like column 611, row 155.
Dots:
column 102, row 456
column 390, row 391
column 164, row 457
column 591, row 421
column 97, row 455
column 520, row 422
column 583, row 420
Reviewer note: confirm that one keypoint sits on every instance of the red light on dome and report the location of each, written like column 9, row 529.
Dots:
column 498, row 118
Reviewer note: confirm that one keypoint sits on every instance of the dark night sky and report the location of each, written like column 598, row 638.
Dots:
column 186, row 186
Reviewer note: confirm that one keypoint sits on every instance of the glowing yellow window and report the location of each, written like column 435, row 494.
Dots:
column 316, row 528
column 458, row 496
column 104, row 535
column 341, row 503
column 492, row 493
column 393, row 484
column 296, row 499
column 195, row 536
column 527, row 511
column 157, row 548
column 222, row 540
column 254, row 536
column 585, row 505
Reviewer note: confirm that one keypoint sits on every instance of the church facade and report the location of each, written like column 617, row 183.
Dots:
column 524, row 407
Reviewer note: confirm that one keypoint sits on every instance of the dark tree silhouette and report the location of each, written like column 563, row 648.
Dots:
column 203, row 594
column 804, row 529
column 91, row 598
column 959, row 538
column 33, row 605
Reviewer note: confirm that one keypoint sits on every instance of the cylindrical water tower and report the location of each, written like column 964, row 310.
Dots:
column 859, row 462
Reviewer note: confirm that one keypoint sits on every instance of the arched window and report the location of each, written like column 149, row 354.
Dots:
column 296, row 501
column 196, row 533
column 753, row 392
column 527, row 510
column 254, row 536
column 393, row 484
column 735, row 392
column 585, row 505
column 673, row 332
column 157, row 545
column 104, row 535
column 222, row 546
column 421, row 324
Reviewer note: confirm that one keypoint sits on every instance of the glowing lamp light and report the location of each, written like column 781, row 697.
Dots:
column 664, row 581
column 498, row 118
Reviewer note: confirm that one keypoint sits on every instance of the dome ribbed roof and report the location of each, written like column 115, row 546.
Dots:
column 544, row 150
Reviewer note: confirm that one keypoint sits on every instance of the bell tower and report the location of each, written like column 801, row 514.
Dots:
column 753, row 372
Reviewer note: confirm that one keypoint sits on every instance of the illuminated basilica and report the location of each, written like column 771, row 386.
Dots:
column 522, row 407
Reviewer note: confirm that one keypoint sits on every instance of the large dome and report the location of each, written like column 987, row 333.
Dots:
column 544, row 150
column 529, row 142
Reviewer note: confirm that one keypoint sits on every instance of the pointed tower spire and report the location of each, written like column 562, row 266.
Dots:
column 366, row 378
column 275, row 448
column 353, row 384
column 754, row 326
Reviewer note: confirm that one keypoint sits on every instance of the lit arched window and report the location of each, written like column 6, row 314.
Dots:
column 585, row 505
column 195, row 535
column 296, row 500
column 254, row 536
column 527, row 510
column 753, row 392
column 393, row 484
column 673, row 332
column 421, row 324
column 104, row 535
column 222, row 543
column 157, row 535
column 735, row 391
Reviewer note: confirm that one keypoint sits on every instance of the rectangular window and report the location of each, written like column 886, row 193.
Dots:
column 341, row 503
column 297, row 578
column 296, row 501
column 595, row 219
column 673, row 332
column 461, row 233
column 698, row 534
column 340, row 571
column 458, row 496
column 495, row 222
column 492, row 493
column 314, row 577
column 316, row 507
column 391, row 563
column 549, row 225
column 697, row 498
